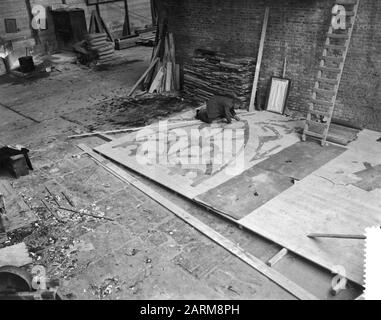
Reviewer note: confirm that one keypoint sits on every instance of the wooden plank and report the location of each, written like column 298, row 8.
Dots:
column 177, row 77
column 104, row 25
column 126, row 25
column 153, row 72
column 233, row 248
column 16, row 255
column 172, row 48
column 259, row 59
column 141, row 79
column 92, row 23
column 154, row 126
column 156, row 83
column 279, row 256
column 336, row 236
column 168, row 79
column 305, row 208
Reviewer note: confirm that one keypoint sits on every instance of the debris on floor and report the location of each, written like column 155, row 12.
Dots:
column 17, row 213
column 121, row 113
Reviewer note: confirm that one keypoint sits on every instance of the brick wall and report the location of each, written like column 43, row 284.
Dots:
column 297, row 29
column 15, row 9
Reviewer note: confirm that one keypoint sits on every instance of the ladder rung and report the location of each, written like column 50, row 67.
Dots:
column 332, row 58
column 323, row 91
column 338, row 35
column 335, row 47
column 326, row 80
column 322, row 102
column 319, row 113
column 313, row 134
column 345, row 2
column 318, row 124
column 330, row 69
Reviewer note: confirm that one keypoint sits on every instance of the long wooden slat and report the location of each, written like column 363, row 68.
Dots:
column 337, row 236
column 279, row 256
column 259, row 60
column 141, row 79
column 233, row 248
column 171, row 125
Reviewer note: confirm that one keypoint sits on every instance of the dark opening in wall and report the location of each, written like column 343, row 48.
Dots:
column 10, row 26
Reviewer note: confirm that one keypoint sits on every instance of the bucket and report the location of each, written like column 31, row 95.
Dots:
column 26, row 64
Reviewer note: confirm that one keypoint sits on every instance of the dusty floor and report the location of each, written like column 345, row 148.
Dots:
column 146, row 253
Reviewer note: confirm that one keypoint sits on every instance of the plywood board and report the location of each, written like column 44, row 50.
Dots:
column 251, row 189
column 192, row 160
column 301, row 159
column 327, row 201
column 242, row 194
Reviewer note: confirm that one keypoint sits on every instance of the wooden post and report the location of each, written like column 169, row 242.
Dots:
column 153, row 12
column 2, row 214
column 259, row 60
column 126, row 25
column 99, row 17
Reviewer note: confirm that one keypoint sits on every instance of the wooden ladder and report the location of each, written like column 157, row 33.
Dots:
column 329, row 76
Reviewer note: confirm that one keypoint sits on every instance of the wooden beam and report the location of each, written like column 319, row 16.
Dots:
column 336, row 236
column 279, row 256
column 171, row 125
column 104, row 25
column 233, row 248
column 126, row 25
column 259, row 60
column 141, row 79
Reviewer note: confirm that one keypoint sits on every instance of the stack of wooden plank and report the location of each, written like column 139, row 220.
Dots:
column 126, row 42
column 98, row 42
column 166, row 75
column 209, row 73
column 163, row 74
column 147, row 38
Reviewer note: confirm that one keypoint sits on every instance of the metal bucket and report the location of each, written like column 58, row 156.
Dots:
column 26, row 64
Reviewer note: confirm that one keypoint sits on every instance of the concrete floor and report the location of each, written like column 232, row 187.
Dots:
column 146, row 253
